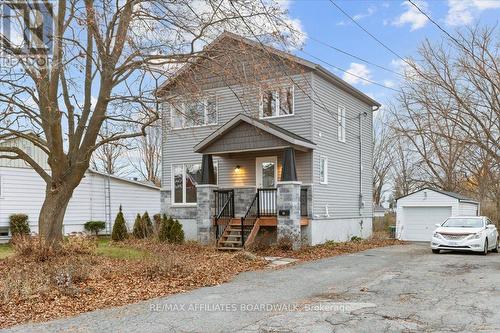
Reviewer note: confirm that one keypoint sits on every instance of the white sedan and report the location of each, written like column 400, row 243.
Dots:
column 465, row 233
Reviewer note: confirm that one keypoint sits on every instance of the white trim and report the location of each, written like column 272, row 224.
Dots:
column 172, row 184
column 258, row 170
column 289, row 182
column 276, row 112
column 204, row 100
column 325, row 171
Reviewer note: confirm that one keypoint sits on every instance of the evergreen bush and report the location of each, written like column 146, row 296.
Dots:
column 94, row 227
column 120, row 227
column 19, row 225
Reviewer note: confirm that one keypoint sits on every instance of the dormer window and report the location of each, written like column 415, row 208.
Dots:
column 277, row 102
column 194, row 113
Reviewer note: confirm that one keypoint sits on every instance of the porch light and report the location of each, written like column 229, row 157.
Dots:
column 237, row 169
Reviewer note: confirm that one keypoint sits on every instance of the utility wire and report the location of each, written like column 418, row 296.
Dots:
column 449, row 35
column 347, row 72
column 351, row 55
column 369, row 33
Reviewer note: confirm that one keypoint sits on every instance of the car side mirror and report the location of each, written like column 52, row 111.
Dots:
column 490, row 226
column 437, row 225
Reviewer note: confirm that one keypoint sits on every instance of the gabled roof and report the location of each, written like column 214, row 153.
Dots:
column 135, row 182
column 320, row 70
column 458, row 196
column 263, row 125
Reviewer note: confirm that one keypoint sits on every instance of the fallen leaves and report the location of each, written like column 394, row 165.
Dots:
column 328, row 249
column 33, row 291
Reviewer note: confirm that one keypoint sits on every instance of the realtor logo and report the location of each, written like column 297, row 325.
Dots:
column 26, row 28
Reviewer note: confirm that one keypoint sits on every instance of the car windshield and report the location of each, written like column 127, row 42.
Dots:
column 463, row 223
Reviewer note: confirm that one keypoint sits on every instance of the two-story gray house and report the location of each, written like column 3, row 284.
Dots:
column 256, row 139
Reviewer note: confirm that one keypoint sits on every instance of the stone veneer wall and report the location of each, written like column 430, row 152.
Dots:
column 288, row 198
column 205, row 210
column 243, row 197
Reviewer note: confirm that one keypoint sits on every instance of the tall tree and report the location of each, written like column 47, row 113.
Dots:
column 102, row 61
column 145, row 155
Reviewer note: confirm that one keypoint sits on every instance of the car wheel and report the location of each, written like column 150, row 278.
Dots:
column 496, row 247
column 485, row 251
column 435, row 251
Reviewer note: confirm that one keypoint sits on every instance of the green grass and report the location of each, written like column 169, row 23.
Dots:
column 104, row 248
column 5, row 250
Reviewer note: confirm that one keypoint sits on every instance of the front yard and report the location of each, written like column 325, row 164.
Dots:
column 94, row 274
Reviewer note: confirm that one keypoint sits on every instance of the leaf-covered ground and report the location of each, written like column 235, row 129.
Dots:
column 33, row 288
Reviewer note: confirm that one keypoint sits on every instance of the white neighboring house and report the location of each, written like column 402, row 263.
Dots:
column 418, row 212
column 22, row 190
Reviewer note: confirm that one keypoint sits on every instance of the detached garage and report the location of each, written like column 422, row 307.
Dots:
column 418, row 212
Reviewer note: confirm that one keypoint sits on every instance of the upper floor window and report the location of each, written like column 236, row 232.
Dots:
column 277, row 103
column 341, row 123
column 194, row 113
column 323, row 170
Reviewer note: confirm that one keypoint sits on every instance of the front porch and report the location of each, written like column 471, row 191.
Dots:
column 259, row 184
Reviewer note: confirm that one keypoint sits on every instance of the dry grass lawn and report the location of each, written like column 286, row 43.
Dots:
column 87, row 274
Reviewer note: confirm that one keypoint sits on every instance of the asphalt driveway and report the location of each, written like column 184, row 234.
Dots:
column 399, row 288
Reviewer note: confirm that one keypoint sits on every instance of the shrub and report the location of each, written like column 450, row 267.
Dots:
column 164, row 230
column 18, row 224
column 119, row 228
column 147, row 222
column 157, row 222
column 139, row 230
column 94, row 226
column 356, row 239
column 176, row 233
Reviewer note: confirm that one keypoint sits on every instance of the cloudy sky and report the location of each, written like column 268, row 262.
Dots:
column 396, row 23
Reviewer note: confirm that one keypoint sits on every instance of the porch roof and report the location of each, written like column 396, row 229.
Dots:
column 244, row 133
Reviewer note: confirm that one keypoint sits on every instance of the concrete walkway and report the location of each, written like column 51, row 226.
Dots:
column 400, row 288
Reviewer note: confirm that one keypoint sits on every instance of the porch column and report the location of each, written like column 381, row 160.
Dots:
column 205, row 199
column 289, row 169
column 288, row 205
column 207, row 170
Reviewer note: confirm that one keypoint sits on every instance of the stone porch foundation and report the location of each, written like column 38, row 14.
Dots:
column 288, row 206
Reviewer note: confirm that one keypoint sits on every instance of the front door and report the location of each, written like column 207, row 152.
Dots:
column 266, row 172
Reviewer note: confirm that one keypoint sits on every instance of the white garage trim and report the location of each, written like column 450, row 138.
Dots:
column 418, row 212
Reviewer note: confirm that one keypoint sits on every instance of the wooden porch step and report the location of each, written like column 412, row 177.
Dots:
column 224, row 248
column 230, row 242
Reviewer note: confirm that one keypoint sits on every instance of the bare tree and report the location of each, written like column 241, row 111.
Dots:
column 382, row 159
column 106, row 61
column 145, row 155
column 460, row 81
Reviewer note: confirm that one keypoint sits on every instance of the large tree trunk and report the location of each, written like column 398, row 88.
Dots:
column 50, row 221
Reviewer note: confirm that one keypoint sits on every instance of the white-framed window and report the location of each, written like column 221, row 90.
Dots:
column 277, row 102
column 341, row 123
column 185, row 178
column 194, row 113
column 323, row 170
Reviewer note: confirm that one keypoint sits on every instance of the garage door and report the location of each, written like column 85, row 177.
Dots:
column 419, row 222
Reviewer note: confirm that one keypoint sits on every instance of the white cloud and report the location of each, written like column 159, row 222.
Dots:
column 358, row 71
column 412, row 16
column 389, row 83
column 486, row 4
column 463, row 12
column 357, row 17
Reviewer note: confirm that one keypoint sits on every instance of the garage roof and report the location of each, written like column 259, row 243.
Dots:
column 455, row 195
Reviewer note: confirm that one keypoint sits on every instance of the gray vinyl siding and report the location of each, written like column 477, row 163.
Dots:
column 341, row 194
column 178, row 144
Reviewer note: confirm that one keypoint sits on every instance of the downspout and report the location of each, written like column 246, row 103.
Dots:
column 361, row 115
